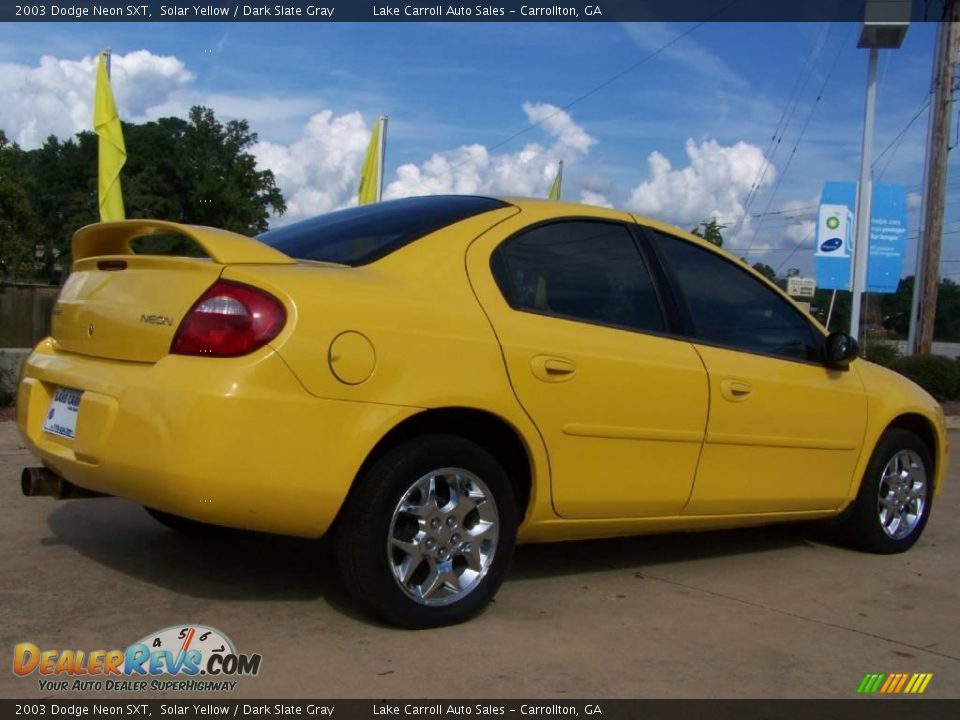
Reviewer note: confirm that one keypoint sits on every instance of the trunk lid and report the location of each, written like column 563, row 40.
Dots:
column 123, row 306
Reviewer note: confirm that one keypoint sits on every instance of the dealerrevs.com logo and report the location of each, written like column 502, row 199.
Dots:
column 186, row 658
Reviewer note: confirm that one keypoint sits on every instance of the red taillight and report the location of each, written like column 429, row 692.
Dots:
column 229, row 319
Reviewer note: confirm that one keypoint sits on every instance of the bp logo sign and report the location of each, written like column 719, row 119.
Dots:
column 833, row 222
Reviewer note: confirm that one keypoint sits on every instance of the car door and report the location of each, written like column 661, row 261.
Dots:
column 785, row 431
column 621, row 407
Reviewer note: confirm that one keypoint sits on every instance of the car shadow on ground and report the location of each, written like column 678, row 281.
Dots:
column 636, row 553
column 223, row 564
column 236, row 565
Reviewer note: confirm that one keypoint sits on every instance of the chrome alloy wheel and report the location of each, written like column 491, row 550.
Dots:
column 903, row 494
column 443, row 536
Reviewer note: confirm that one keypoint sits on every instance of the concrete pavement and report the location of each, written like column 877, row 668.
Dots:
column 757, row 613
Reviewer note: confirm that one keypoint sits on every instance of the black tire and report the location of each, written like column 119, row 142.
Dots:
column 860, row 526
column 185, row 526
column 366, row 524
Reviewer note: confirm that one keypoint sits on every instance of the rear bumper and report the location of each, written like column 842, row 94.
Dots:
column 235, row 442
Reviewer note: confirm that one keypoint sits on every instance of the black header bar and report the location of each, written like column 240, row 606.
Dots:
column 435, row 11
column 459, row 709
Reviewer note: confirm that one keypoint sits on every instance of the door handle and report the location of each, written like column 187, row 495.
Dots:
column 552, row 369
column 735, row 390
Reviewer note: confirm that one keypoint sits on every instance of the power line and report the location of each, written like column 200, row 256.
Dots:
column 786, row 211
column 803, row 130
column 898, row 140
column 613, row 78
column 792, row 252
column 788, row 112
column 806, row 243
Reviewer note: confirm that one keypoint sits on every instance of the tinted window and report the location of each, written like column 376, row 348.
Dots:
column 579, row 269
column 728, row 306
column 359, row 235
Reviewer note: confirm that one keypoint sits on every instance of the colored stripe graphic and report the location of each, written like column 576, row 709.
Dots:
column 895, row 683
column 870, row 683
column 903, row 679
column 918, row 683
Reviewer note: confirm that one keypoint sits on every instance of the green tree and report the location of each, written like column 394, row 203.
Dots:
column 62, row 182
column 946, row 326
column 765, row 270
column 196, row 171
column 18, row 223
column 840, row 319
column 895, row 308
column 710, row 230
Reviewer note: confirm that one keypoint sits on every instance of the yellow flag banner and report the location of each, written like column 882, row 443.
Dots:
column 112, row 151
column 372, row 167
column 555, row 188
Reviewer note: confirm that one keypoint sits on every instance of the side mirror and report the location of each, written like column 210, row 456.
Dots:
column 840, row 349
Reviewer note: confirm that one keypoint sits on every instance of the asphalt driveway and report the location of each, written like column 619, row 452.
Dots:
column 755, row 613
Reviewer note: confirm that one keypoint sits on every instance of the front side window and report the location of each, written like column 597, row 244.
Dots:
column 730, row 307
column 581, row 270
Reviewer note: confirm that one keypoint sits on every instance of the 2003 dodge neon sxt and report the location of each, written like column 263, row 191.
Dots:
column 431, row 379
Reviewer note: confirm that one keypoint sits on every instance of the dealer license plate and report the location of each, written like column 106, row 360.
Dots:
column 62, row 414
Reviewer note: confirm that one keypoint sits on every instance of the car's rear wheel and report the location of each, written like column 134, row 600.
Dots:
column 184, row 526
column 893, row 504
column 427, row 534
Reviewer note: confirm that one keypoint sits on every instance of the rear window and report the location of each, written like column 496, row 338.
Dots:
column 360, row 235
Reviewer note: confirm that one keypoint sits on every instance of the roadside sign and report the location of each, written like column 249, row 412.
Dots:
column 834, row 242
column 801, row 286
column 834, row 231
column 888, row 237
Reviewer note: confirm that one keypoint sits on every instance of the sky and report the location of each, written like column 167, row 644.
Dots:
column 743, row 122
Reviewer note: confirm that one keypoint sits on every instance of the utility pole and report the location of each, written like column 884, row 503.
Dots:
column 861, row 245
column 927, row 277
column 885, row 24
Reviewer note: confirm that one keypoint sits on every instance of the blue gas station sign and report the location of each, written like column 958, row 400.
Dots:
column 833, row 247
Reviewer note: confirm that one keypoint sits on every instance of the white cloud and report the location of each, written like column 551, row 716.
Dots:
column 316, row 164
column 571, row 139
column 714, row 184
column 56, row 96
column 474, row 169
column 589, row 197
column 801, row 232
column 320, row 170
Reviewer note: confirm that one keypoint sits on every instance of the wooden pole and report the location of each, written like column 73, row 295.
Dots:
column 936, row 180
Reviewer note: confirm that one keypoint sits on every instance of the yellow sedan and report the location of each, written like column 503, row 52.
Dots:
column 431, row 380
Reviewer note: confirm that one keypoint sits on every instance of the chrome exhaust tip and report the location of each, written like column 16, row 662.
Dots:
column 38, row 481
column 41, row 481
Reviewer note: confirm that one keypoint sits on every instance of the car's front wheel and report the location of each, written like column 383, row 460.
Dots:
column 893, row 504
column 427, row 534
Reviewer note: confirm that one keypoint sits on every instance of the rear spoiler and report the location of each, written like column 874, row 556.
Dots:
column 223, row 246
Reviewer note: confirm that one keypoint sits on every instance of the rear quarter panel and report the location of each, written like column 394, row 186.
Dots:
column 433, row 344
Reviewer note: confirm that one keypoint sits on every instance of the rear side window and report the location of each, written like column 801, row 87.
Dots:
column 360, row 235
column 579, row 270
column 730, row 307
